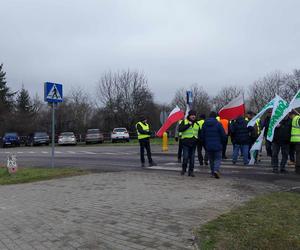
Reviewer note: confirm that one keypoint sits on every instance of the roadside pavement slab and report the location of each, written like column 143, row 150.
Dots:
column 117, row 210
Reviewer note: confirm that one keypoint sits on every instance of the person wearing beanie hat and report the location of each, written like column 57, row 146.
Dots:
column 144, row 133
column 190, row 133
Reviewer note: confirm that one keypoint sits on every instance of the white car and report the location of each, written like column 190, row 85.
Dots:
column 67, row 138
column 119, row 134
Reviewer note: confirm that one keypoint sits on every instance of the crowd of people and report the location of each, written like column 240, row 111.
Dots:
column 210, row 137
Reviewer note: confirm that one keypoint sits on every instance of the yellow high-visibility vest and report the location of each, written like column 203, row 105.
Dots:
column 192, row 131
column 145, row 127
column 201, row 122
column 179, row 133
column 295, row 132
column 258, row 126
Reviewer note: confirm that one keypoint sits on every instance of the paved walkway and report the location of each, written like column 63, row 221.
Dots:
column 123, row 210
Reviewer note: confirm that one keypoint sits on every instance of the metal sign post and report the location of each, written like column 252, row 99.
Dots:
column 53, row 94
column 189, row 99
column 53, row 135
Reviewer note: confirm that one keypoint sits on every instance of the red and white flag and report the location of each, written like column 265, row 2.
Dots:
column 175, row 115
column 233, row 109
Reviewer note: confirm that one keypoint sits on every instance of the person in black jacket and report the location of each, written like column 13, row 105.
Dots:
column 241, row 139
column 266, row 126
column 281, row 141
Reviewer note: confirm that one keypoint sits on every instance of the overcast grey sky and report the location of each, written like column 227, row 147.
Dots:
column 175, row 43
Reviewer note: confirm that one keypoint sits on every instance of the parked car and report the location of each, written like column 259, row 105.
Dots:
column 10, row 139
column 94, row 136
column 67, row 138
column 119, row 134
column 37, row 138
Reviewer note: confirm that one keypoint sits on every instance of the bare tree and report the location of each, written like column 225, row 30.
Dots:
column 201, row 100
column 265, row 89
column 225, row 95
column 292, row 82
column 125, row 96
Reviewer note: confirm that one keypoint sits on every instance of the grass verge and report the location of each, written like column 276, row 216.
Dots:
column 266, row 222
column 24, row 175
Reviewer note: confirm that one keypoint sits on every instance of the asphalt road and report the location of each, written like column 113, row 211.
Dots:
column 109, row 158
column 96, row 157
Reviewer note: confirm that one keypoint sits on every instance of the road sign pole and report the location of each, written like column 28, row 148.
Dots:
column 53, row 134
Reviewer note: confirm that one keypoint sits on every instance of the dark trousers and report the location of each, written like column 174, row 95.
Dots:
column 188, row 157
column 224, row 147
column 214, row 161
column 179, row 153
column 269, row 148
column 292, row 152
column 297, row 166
column 275, row 152
column 200, row 156
column 145, row 144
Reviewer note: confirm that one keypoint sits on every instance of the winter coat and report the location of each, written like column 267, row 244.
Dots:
column 212, row 135
column 240, row 133
column 282, row 134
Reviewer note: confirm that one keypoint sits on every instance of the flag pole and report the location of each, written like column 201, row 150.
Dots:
column 244, row 104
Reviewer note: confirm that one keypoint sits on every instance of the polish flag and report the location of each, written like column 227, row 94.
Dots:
column 233, row 109
column 175, row 115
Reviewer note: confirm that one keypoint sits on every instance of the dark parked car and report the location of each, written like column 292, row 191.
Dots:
column 94, row 136
column 37, row 138
column 10, row 139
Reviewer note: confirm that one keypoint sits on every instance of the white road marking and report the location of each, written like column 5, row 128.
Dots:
column 44, row 152
column 89, row 153
column 172, row 164
column 71, row 152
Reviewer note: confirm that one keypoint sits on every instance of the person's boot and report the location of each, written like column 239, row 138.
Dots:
column 284, row 171
column 182, row 172
column 179, row 160
column 275, row 171
column 217, row 174
column 143, row 165
column 152, row 163
column 191, row 174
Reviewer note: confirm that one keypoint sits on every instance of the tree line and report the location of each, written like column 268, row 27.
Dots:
column 124, row 97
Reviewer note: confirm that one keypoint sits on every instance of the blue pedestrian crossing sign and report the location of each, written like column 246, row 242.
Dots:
column 53, row 92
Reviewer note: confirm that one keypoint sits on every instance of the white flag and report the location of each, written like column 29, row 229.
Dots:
column 295, row 103
column 280, row 110
column 187, row 110
column 264, row 109
column 256, row 147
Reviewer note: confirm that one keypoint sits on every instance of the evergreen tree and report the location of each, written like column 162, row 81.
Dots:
column 24, row 113
column 6, row 103
column 6, row 97
column 24, row 104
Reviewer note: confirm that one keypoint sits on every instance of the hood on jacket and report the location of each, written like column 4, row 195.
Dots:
column 211, row 122
column 240, row 119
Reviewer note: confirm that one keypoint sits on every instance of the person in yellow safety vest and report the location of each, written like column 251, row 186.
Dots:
column 190, row 134
column 295, row 137
column 144, row 133
column 200, row 144
column 178, row 138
